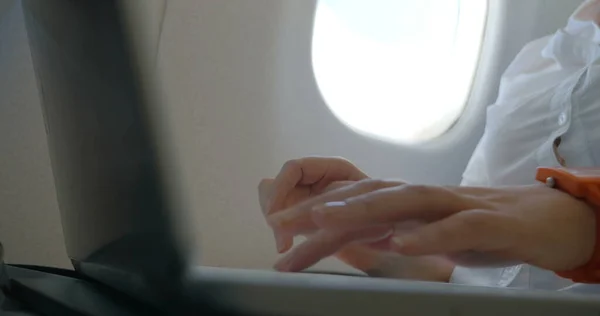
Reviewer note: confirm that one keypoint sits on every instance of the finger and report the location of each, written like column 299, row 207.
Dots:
column 266, row 186
column 391, row 204
column 264, row 191
column 326, row 243
column 465, row 232
column 298, row 219
column 360, row 257
column 282, row 242
column 334, row 186
column 308, row 171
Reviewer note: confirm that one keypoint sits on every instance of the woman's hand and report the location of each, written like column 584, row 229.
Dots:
column 307, row 180
column 301, row 179
column 472, row 226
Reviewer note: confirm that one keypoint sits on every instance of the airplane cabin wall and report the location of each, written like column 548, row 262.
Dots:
column 241, row 100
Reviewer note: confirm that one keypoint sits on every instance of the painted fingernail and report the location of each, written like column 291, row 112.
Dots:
column 405, row 243
column 398, row 242
column 328, row 207
column 329, row 213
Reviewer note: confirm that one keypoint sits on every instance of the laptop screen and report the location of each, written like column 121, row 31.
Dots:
column 105, row 157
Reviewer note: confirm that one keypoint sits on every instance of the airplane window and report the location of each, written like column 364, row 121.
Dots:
column 399, row 70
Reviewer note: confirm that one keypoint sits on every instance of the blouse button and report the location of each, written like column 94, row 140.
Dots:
column 562, row 118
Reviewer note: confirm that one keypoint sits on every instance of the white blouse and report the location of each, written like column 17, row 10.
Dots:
column 550, row 92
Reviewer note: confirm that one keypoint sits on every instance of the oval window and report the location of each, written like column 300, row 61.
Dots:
column 400, row 70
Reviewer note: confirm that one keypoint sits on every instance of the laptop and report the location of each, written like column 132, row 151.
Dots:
column 124, row 226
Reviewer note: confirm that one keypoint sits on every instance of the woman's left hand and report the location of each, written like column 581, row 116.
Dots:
column 531, row 224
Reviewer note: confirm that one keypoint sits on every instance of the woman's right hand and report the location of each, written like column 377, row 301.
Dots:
column 303, row 179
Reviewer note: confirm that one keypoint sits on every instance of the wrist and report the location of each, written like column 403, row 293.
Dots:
column 586, row 257
column 582, row 184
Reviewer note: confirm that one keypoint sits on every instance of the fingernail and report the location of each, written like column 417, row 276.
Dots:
column 404, row 244
column 329, row 207
column 398, row 242
column 323, row 215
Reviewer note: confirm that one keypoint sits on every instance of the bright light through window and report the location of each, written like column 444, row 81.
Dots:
column 400, row 70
